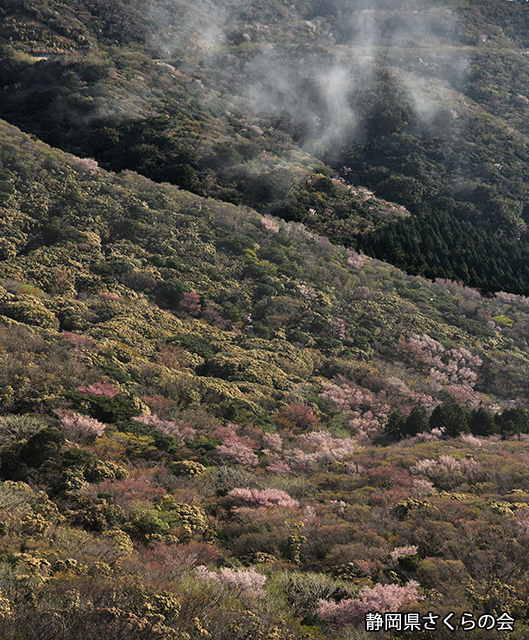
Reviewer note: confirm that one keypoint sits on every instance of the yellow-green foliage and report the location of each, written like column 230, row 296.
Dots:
column 188, row 468
column 504, row 508
column 35, row 566
column 190, row 518
column 15, row 428
column 29, row 310
column 137, row 446
column 402, row 508
column 107, row 470
column 23, row 508
column 121, row 539
column 73, row 480
column 245, row 366
column 34, row 525
column 6, row 606
column 503, row 321
column 165, row 604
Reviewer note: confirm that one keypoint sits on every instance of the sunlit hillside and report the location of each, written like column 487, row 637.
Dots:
column 221, row 415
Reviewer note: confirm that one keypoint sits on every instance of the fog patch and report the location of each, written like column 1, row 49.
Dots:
column 316, row 90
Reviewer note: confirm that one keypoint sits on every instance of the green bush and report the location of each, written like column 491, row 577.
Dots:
column 145, row 523
column 417, row 422
column 188, row 468
column 515, row 420
column 171, row 292
column 162, row 442
column 451, row 417
column 120, row 408
column 194, row 344
column 42, row 446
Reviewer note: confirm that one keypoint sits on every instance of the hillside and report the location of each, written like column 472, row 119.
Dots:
column 179, row 374
column 219, row 417
column 421, row 103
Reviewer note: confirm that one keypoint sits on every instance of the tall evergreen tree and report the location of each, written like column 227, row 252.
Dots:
column 482, row 423
column 417, row 422
column 451, row 417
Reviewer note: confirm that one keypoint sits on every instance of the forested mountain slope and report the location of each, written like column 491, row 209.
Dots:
column 216, row 423
column 186, row 383
column 423, row 103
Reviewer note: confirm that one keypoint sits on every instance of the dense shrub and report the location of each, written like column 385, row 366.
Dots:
column 41, row 446
column 15, row 428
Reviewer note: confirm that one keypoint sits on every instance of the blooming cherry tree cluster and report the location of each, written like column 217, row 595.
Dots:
column 381, row 598
column 403, row 552
column 260, row 498
column 318, row 447
column 79, row 428
column 86, row 164
column 270, row 225
column 278, row 468
column 364, row 412
column 242, row 581
column 356, row 259
column 448, row 366
column 300, row 453
column 110, row 297
column 338, row 327
column 100, row 389
column 512, row 298
column 433, row 436
column 80, row 343
column 236, row 448
column 190, row 304
column 471, row 440
column 446, row 465
column 468, row 293
column 396, row 390
column 180, row 431
column 307, row 292
column 273, row 442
